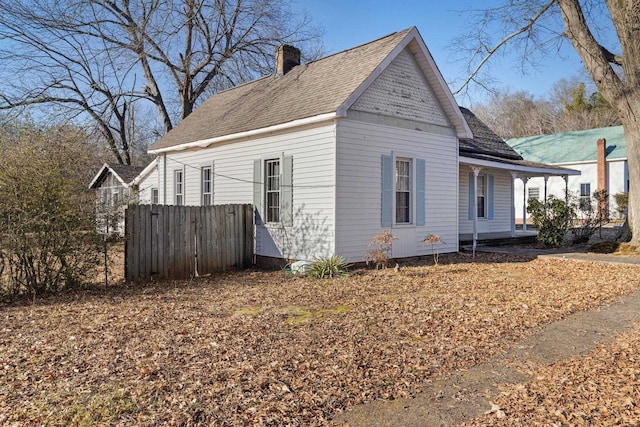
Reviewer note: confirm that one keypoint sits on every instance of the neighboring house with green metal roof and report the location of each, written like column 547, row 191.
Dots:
column 577, row 150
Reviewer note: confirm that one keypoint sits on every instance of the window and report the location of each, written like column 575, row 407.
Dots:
column 482, row 199
column 534, row 193
column 179, row 187
column 207, row 186
column 272, row 189
column 403, row 194
column 403, row 191
column 154, row 196
column 585, row 196
column 481, row 202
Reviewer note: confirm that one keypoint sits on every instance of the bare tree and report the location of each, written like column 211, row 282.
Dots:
column 516, row 114
column 99, row 57
column 565, row 108
column 535, row 28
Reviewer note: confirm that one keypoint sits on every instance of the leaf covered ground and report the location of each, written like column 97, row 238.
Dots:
column 265, row 348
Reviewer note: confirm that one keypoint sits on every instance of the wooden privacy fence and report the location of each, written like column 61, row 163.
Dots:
column 181, row 242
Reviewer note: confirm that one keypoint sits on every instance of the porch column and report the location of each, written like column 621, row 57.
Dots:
column 524, row 203
column 514, row 176
column 566, row 196
column 546, row 179
column 476, row 172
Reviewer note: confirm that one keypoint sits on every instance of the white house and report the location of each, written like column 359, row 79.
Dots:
column 335, row 151
column 599, row 154
column 117, row 186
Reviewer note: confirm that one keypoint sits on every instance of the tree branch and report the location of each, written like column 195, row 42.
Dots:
column 503, row 42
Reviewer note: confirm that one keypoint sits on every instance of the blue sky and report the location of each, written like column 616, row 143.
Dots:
column 348, row 23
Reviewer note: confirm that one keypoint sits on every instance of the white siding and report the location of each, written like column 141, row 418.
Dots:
column 152, row 180
column 617, row 183
column 402, row 91
column 502, row 202
column 359, row 150
column 312, row 149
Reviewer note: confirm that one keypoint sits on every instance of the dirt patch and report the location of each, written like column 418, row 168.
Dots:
column 253, row 348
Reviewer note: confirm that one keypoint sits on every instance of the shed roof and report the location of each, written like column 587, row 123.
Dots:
column 320, row 87
column 571, row 147
column 485, row 141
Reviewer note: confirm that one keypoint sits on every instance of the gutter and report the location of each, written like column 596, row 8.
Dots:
column 250, row 133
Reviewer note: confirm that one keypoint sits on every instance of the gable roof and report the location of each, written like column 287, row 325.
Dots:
column 126, row 174
column 319, row 90
column 571, row 147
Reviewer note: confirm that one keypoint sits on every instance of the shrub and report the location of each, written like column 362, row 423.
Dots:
column 382, row 244
column 433, row 239
column 324, row 268
column 48, row 239
column 591, row 219
column 554, row 222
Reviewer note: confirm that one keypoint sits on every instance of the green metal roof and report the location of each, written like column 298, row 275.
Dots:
column 570, row 147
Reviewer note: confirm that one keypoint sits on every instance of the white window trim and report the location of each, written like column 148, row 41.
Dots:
column 412, row 189
column 265, row 199
column 202, row 193
column 486, row 197
column 175, row 187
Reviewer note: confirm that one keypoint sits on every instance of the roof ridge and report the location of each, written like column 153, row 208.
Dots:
column 406, row 30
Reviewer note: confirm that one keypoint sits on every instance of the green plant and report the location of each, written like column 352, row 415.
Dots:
column 382, row 244
column 552, row 219
column 433, row 239
column 622, row 203
column 324, row 268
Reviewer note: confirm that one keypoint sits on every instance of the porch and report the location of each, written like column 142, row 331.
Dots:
column 499, row 239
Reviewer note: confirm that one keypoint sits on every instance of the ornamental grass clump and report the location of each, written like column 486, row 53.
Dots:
column 330, row 267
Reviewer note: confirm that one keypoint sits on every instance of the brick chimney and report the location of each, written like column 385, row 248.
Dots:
column 601, row 152
column 287, row 57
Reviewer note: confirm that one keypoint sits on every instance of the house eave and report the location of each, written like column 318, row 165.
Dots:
column 521, row 170
column 146, row 171
column 248, row 134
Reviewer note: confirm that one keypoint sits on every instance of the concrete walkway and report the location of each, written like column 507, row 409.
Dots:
column 466, row 394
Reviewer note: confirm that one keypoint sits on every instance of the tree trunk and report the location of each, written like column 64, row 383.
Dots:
column 632, row 136
column 622, row 94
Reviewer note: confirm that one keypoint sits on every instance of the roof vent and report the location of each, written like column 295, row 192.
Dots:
column 287, row 57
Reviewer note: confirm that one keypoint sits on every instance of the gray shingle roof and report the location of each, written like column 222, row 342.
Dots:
column 485, row 141
column 307, row 90
column 127, row 173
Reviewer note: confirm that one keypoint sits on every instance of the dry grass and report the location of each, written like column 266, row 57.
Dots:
column 262, row 348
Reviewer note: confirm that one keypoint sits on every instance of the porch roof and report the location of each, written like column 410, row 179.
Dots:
column 523, row 168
